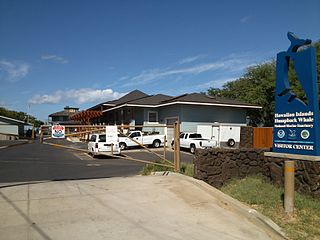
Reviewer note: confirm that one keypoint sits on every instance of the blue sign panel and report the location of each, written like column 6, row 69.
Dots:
column 296, row 121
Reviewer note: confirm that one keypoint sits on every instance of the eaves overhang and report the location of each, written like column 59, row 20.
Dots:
column 185, row 103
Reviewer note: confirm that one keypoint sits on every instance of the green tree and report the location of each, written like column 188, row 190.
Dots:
column 22, row 116
column 257, row 86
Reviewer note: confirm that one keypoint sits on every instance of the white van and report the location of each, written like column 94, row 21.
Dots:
column 98, row 144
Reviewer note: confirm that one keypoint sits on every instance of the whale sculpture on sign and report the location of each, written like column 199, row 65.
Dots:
column 283, row 61
column 296, row 122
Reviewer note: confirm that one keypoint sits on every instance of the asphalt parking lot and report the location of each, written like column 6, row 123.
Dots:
column 41, row 162
column 134, row 152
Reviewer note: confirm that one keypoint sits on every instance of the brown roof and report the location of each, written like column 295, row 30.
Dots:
column 203, row 98
column 134, row 95
column 151, row 100
column 137, row 97
column 61, row 113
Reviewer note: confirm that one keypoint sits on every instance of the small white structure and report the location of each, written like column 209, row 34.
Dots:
column 226, row 135
column 10, row 128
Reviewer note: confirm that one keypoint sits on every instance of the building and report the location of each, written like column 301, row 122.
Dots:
column 11, row 129
column 138, row 108
column 63, row 117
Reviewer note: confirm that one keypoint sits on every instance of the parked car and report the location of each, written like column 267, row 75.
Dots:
column 155, row 140
column 192, row 141
column 98, row 144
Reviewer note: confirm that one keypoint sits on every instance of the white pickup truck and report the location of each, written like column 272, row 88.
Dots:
column 155, row 140
column 97, row 144
column 193, row 141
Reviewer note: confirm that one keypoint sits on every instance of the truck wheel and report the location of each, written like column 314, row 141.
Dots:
column 231, row 142
column 122, row 146
column 156, row 143
column 192, row 148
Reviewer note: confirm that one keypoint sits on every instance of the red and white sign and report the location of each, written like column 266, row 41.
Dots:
column 58, row 131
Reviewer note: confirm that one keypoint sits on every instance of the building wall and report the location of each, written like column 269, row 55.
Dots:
column 169, row 112
column 213, row 114
column 21, row 129
column 6, row 128
column 139, row 115
column 191, row 115
column 11, row 127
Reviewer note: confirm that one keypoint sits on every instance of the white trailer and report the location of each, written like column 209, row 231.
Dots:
column 226, row 135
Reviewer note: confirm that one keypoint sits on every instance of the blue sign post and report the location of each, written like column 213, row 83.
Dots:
column 296, row 121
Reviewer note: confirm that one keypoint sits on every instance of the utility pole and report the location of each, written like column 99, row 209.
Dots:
column 28, row 113
column 176, row 146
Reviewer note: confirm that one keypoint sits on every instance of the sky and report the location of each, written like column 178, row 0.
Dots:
column 81, row 53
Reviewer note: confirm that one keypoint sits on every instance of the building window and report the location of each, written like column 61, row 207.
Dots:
column 152, row 116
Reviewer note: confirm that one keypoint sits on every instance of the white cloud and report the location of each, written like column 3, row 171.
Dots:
column 55, row 58
column 245, row 19
column 227, row 65
column 79, row 96
column 13, row 71
column 85, row 95
column 217, row 83
column 190, row 59
column 56, row 97
column 124, row 78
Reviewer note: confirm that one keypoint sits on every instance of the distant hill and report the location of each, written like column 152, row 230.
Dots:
column 22, row 116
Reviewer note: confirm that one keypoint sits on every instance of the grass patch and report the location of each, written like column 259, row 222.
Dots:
column 268, row 199
column 149, row 168
column 186, row 169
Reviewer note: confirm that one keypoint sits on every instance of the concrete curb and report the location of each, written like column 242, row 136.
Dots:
column 273, row 230
column 14, row 184
column 16, row 144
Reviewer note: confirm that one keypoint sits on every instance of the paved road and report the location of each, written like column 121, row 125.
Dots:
column 38, row 162
column 135, row 152
column 9, row 143
column 153, row 207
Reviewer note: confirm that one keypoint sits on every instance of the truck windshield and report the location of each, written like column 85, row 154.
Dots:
column 195, row 135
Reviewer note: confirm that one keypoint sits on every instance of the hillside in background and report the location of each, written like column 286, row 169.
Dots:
column 22, row 116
